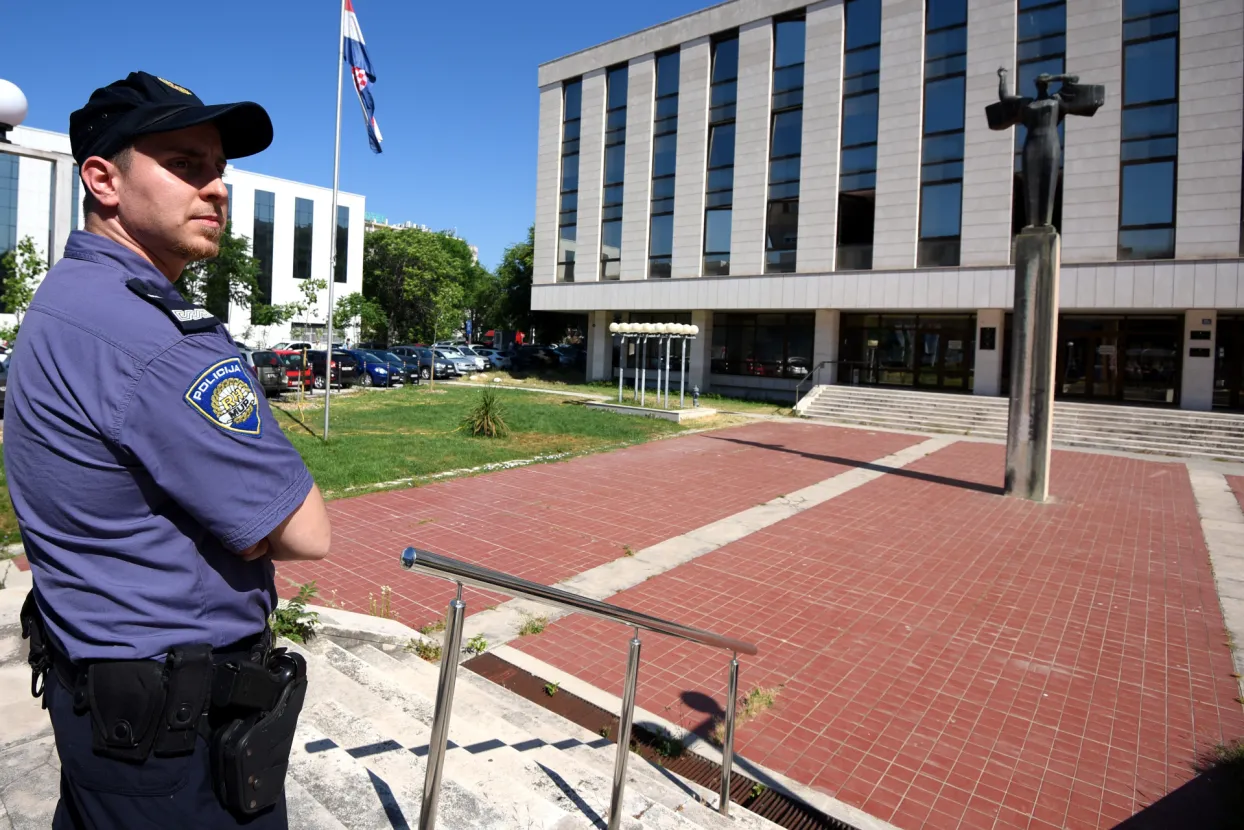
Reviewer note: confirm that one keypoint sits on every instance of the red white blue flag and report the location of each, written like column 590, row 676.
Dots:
column 360, row 69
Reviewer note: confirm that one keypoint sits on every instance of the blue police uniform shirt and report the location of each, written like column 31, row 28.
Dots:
column 140, row 458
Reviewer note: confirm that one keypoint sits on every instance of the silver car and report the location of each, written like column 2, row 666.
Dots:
column 481, row 362
column 462, row 365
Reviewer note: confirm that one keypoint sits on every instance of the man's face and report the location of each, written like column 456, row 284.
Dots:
column 171, row 199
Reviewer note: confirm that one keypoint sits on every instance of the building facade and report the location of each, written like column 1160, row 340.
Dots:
column 288, row 224
column 815, row 186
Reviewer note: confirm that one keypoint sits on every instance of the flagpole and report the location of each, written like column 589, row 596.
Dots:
column 332, row 245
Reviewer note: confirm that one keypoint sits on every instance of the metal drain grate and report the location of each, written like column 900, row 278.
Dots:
column 745, row 791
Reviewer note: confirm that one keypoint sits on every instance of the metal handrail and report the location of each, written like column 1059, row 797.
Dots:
column 464, row 573
column 811, row 374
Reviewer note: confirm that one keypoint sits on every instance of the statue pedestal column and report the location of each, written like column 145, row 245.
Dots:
column 1033, row 352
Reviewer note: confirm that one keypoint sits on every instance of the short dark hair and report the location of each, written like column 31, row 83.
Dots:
column 121, row 158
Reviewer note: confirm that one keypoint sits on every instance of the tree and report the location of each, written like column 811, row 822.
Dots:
column 356, row 310
column 514, row 276
column 418, row 279
column 232, row 276
column 310, row 290
column 20, row 269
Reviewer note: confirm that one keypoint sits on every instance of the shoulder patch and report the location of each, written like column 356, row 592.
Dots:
column 223, row 394
column 190, row 318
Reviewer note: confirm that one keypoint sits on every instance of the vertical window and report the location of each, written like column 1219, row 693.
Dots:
column 764, row 345
column 568, row 199
column 1041, row 49
column 664, row 159
column 719, row 187
column 265, row 211
column 229, row 202
column 857, row 183
column 615, row 170
column 342, row 253
column 304, row 213
column 8, row 209
column 941, row 157
column 785, row 146
column 76, row 208
column 1150, row 129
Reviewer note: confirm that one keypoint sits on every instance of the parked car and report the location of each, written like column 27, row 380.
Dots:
column 293, row 345
column 426, row 358
column 4, row 377
column 343, row 367
column 460, row 363
column 372, row 370
column 498, row 360
column 407, row 371
column 295, row 370
column 536, row 357
column 267, row 368
column 481, row 362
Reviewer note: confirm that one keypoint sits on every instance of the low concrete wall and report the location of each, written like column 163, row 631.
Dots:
column 675, row 415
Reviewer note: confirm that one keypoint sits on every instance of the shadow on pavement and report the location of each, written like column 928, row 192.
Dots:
column 868, row 465
column 1214, row 800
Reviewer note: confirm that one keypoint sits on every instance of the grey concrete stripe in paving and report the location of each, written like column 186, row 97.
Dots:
column 1222, row 522
column 502, row 624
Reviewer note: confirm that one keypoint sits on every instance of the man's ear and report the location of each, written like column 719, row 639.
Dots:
column 99, row 177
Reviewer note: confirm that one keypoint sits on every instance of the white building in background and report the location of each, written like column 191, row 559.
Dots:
column 815, row 181
column 287, row 222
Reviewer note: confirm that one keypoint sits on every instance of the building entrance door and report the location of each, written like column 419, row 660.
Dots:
column 1127, row 359
column 1229, row 364
column 933, row 351
column 1089, row 365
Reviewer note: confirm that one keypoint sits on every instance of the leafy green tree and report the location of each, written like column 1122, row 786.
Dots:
column 513, row 309
column 356, row 310
column 20, row 269
column 418, row 279
column 232, row 276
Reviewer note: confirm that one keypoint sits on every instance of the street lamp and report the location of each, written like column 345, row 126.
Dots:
column 12, row 108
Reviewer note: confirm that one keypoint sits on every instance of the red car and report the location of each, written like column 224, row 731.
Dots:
column 294, row 368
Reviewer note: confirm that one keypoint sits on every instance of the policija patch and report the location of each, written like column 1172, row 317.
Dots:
column 224, row 396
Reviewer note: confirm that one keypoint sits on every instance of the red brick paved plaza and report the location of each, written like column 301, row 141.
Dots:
column 945, row 657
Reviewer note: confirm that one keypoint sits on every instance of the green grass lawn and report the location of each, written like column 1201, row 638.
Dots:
column 411, row 433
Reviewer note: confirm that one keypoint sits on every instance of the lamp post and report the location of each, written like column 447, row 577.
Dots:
column 12, row 108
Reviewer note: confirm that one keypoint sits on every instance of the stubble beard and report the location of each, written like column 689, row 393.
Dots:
column 205, row 245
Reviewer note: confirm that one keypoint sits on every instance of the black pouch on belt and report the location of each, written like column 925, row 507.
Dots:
column 251, row 755
column 126, row 699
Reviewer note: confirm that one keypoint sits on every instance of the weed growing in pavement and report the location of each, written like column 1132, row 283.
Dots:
column 1222, row 755
column 384, row 608
column 533, row 624
column 292, row 620
column 758, row 790
column 424, row 649
column 550, row 689
column 486, row 419
column 476, row 645
column 626, row 551
column 747, row 708
column 434, row 627
column 662, row 742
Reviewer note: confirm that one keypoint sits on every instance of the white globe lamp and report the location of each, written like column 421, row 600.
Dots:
column 663, row 328
column 695, row 330
column 613, row 328
column 12, row 108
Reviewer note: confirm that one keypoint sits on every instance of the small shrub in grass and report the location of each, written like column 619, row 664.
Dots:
column 486, row 418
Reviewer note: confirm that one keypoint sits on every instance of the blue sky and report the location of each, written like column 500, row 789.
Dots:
column 456, row 97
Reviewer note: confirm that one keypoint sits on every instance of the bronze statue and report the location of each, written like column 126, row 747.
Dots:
column 1041, row 117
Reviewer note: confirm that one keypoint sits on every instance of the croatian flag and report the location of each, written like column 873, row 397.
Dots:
column 360, row 69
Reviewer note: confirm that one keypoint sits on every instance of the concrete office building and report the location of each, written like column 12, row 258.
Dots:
column 287, row 222
column 816, row 182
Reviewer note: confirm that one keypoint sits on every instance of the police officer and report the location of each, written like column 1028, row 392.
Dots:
column 152, row 485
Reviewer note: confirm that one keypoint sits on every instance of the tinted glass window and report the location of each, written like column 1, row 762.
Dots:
column 570, row 172
column 573, row 100
column 662, row 237
column 725, row 60
column 1141, row 8
column 939, row 216
column 667, row 74
column 664, row 152
column 616, row 85
column 615, row 164
column 1051, row 20
column 1146, row 121
column 943, row 105
column 721, row 146
column 717, row 230
column 863, row 23
column 946, row 13
column 787, row 133
column 859, row 120
column 1149, row 193
column 788, row 43
column 1149, row 71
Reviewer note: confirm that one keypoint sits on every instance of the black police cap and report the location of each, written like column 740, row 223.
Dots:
column 143, row 104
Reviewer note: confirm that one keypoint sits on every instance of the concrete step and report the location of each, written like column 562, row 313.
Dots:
column 523, row 722
column 29, row 782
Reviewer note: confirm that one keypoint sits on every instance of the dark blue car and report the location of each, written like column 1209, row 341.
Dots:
column 374, row 371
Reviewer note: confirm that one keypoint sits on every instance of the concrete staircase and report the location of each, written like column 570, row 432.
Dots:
column 359, row 757
column 1134, row 429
